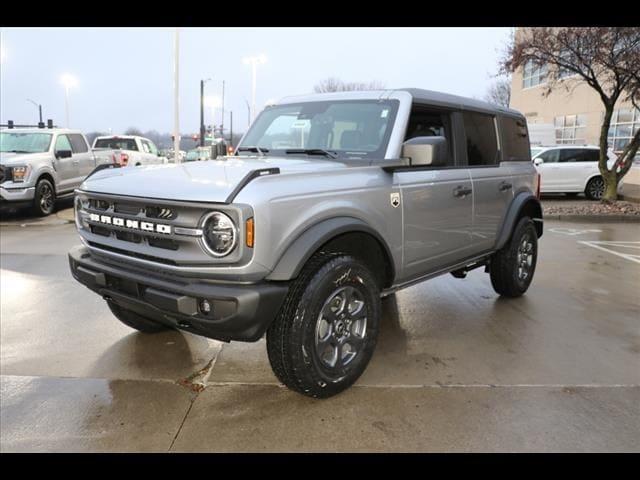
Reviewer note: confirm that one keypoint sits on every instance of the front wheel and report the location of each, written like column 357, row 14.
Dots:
column 44, row 199
column 513, row 266
column 595, row 188
column 325, row 334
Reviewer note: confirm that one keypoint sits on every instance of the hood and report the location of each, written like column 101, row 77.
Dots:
column 207, row 181
column 9, row 158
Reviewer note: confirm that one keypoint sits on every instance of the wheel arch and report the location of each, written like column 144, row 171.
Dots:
column 523, row 204
column 48, row 176
column 345, row 234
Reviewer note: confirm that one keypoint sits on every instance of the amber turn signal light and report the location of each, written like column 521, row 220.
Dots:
column 249, row 230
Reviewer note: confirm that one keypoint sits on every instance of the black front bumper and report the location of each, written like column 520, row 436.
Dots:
column 238, row 312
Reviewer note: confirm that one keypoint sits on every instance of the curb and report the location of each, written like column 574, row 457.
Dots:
column 593, row 218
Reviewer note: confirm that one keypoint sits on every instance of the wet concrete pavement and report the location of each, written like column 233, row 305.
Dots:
column 456, row 367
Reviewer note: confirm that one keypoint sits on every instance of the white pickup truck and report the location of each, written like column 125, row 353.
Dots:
column 130, row 150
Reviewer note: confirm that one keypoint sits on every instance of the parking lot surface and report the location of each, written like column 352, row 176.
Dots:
column 456, row 367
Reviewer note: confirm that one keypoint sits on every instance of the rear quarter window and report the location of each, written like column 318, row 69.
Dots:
column 515, row 140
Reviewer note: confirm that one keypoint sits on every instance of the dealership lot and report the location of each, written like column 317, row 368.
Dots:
column 456, row 367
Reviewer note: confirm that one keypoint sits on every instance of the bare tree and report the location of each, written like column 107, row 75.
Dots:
column 133, row 131
column 499, row 92
column 333, row 84
column 607, row 59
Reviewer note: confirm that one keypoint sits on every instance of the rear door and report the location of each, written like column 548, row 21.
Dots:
column 82, row 156
column 492, row 182
column 436, row 201
column 576, row 166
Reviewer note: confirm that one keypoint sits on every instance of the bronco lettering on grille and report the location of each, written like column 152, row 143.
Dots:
column 133, row 224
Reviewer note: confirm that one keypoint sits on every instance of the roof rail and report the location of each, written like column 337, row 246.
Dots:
column 10, row 124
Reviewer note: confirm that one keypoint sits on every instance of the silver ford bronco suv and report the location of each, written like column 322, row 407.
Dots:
column 330, row 202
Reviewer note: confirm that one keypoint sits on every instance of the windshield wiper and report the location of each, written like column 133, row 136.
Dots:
column 17, row 151
column 312, row 151
column 260, row 150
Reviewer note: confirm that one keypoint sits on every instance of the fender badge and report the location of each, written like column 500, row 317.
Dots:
column 395, row 200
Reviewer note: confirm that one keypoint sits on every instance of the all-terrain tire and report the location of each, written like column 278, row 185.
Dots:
column 328, row 304
column 513, row 266
column 135, row 321
column 44, row 199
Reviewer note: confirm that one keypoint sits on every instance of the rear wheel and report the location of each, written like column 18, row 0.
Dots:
column 513, row 266
column 326, row 331
column 595, row 188
column 44, row 199
column 133, row 320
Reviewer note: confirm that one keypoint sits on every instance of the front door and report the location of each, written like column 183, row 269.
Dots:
column 550, row 174
column 437, row 209
column 82, row 156
column 67, row 168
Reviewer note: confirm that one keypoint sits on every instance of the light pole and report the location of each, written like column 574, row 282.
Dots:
column 248, row 112
column 39, row 110
column 202, row 129
column 254, row 62
column 68, row 81
column 176, row 97
column 213, row 102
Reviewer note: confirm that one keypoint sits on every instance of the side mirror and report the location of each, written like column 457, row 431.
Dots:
column 430, row 151
column 63, row 154
column 538, row 161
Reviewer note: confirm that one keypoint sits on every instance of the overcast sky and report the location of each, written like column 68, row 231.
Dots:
column 125, row 75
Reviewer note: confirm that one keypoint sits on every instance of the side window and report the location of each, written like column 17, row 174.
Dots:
column 62, row 143
column 152, row 148
column 571, row 155
column 515, row 138
column 78, row 143
column 591, row 156
column 550, row 156
column 482, row 144
column 430, row 123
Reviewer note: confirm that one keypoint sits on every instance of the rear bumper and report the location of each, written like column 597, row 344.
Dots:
column 238, row 312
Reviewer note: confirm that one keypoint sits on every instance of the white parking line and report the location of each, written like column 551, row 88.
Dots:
column 572, row 231
column 600, row 245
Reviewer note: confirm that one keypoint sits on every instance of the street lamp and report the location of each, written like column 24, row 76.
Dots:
column 202, row 132
column 213, row 102
column 254, row 62
column 68, row 81
column 39, row 110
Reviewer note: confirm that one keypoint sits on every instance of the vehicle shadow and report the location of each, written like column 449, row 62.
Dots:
column 12, row 214
column 169, row 355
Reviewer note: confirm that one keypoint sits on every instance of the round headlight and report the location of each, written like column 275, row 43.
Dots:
column 219, row 234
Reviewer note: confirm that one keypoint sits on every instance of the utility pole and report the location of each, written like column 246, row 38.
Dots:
column 176, row 101
column 202, row 132
column 39, row 110
column 222, row 121
column 231, row 128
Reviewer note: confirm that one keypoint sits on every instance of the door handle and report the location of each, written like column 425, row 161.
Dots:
column 461, row 191
column 504, row 186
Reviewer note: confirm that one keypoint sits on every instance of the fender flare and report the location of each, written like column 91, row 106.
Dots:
column 46, row 169
column 306, row 244
column 521, row 201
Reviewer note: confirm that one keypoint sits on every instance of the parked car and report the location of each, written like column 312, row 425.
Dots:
column 332, row 202
column 571, row 169
column 130, row 150
column 40, row 165
column 198, row 154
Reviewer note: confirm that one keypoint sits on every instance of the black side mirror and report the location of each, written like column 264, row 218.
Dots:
column 431, row 151
column 63, row 154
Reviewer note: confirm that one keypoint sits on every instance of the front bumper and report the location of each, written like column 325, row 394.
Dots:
column 238, row 312
column 17, row 195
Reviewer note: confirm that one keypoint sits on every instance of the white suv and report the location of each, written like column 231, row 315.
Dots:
column 570, row 169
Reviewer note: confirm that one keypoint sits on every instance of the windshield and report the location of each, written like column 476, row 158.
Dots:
column 347, row 129
column 24, row 142
column 117, row 143
column 535, row 151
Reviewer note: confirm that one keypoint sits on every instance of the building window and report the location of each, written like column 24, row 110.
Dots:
column 624, row 124
column 533, row 74
column 571, row 129
column 563, row 72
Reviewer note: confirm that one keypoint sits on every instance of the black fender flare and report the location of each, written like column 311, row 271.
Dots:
column 307, row 243
column 522, row 201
